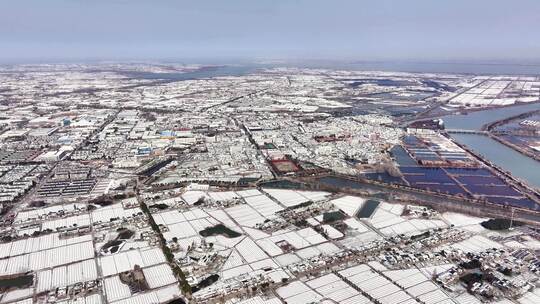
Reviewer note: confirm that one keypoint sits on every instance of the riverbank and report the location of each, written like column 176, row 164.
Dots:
column 515, row 166
column 489, row 127
column 475, row 120
column 431, row 113
column 515, row 147
column 508, row 159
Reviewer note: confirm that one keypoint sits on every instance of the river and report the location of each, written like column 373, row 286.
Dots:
column 475, row 120
column 519, row 165
column 507, row 158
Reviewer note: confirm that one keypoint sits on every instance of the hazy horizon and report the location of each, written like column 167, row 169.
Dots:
column 346, row 30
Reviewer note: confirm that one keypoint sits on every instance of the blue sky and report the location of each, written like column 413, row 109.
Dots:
column 273, row 29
